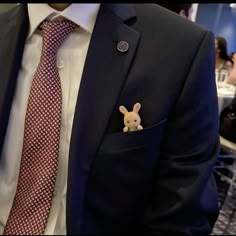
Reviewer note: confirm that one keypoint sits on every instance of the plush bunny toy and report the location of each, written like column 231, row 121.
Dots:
column 132, row 119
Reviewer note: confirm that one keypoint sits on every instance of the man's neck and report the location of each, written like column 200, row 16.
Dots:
column 59, row 6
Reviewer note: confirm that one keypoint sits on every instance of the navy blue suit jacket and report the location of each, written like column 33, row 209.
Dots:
column 157, row 180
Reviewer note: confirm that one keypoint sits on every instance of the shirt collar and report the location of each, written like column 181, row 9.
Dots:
column 82, row 14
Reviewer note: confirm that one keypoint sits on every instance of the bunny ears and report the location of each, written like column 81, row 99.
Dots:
column 136, row 108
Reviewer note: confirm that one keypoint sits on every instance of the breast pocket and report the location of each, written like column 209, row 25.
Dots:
column 124, row 169
column 126, row 141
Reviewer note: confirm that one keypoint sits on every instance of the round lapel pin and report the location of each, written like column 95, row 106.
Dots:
column 123, row 46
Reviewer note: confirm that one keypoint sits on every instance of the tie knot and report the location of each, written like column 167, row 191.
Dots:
column 54, row 33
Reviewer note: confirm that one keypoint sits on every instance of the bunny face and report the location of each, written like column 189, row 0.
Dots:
column 132, row 119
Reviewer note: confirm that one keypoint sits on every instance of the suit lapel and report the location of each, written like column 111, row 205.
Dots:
column 103, row 76
column 13, row 32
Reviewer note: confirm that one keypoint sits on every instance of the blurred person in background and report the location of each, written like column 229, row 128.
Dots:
column 223, row 63
column 232, row 56
column 184, row 10
column 232, row 76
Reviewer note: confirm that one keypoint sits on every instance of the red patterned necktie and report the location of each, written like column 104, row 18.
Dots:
column 39, row 162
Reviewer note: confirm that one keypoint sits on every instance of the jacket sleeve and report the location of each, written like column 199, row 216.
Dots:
column 184, row 199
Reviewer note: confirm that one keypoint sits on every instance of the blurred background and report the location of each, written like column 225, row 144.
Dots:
column 220, row 18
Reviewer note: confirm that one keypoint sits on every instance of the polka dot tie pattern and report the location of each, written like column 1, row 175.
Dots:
column 38, row 169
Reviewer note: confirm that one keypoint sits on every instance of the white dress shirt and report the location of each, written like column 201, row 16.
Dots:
column 70, row 61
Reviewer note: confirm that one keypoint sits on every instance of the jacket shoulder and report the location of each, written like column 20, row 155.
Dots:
column 161, row 20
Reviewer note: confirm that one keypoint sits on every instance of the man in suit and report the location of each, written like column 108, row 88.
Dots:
column 155, row 181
